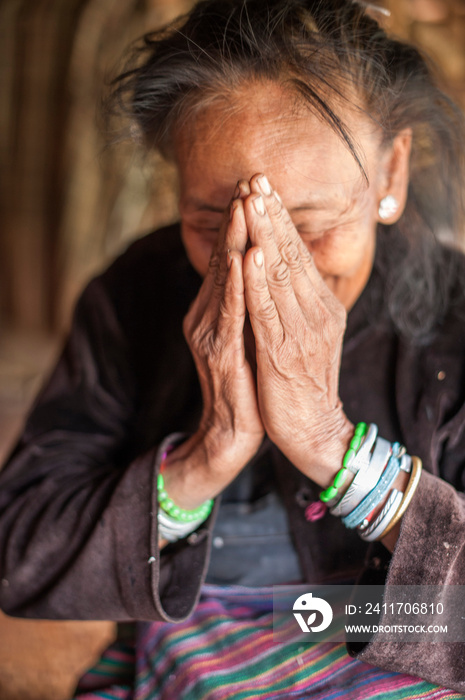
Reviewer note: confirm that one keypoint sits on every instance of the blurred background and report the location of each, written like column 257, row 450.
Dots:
column 69, row 204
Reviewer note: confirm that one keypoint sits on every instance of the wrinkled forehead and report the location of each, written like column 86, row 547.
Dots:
column 264, row 126
column 250, row 103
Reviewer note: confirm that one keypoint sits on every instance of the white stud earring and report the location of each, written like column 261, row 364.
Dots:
column 388, row 206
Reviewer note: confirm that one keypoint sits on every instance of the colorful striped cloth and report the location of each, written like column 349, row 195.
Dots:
column 227, row 650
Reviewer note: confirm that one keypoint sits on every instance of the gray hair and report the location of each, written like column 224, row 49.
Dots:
column 320, row 50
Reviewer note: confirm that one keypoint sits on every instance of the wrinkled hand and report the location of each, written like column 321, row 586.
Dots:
column 298, row 326
column 231, row 429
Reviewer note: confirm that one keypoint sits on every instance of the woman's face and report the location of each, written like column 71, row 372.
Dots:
column 320, row 183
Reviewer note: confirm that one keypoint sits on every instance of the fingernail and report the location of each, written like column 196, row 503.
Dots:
column 278, row 197
column 264, row 185
column 259, row 205
column 237, row 191
column 258, row 258
column 229, row 259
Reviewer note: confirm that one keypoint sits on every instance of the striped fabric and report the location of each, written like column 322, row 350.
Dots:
column 226, row 650
column 113, row 675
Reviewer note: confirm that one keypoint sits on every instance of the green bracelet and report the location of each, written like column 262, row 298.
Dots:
column 332, row 491
column 177, row 513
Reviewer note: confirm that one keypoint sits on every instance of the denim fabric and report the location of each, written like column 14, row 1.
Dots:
column 251, row 543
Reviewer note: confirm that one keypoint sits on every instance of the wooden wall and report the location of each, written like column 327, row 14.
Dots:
column 437, row 26
column 68, row 203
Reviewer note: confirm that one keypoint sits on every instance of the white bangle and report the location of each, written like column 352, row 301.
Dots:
column 173, row 530
column 363, row 454
column 359, row 462
column 365, row 480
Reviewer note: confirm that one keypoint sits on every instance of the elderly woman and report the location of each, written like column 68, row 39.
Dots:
column 276, row 348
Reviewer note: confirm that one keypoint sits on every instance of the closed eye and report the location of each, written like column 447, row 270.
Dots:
column 311, row 235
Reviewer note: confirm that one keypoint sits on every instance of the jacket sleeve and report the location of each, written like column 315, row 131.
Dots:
column 430, row 551
column 429, row 388
column 78, row 526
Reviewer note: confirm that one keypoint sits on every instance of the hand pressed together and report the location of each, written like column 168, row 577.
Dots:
column 214, row 329
column 298, row 327
column 231, row 429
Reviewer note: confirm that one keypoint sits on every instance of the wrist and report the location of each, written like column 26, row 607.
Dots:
column 184, row 475
column 321, row 454
column 226, row 452
column 202, row 466
column 385, row 480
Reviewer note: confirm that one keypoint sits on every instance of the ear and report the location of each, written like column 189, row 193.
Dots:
column 394, row 177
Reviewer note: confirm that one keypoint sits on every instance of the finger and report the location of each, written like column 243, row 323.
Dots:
column 287, row 240
column 280, row 212
column 231, row 318
column 287, row 280
column 233, row 233
column 242, row 189
column 213, row 274
column 236, row 233
column 293, row 251
column 235, row 238
column 263, row 313
column 259, row 184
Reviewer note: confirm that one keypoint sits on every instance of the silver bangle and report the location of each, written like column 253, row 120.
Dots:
column 384, row 518
column 366, row 527
column 405, row 466
column 356, row 517
column 406, row 463
column 365, row 480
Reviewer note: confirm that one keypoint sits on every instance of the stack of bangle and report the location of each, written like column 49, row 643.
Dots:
column 375, row 462
column 174, row 522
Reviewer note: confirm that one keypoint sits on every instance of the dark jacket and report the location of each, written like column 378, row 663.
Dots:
column 78, row 527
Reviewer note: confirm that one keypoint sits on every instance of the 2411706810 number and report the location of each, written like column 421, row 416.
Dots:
column 400, row 608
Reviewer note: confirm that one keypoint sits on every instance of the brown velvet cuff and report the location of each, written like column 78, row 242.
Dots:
column 174, row 593
column 430, row 551
column 118, row 573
